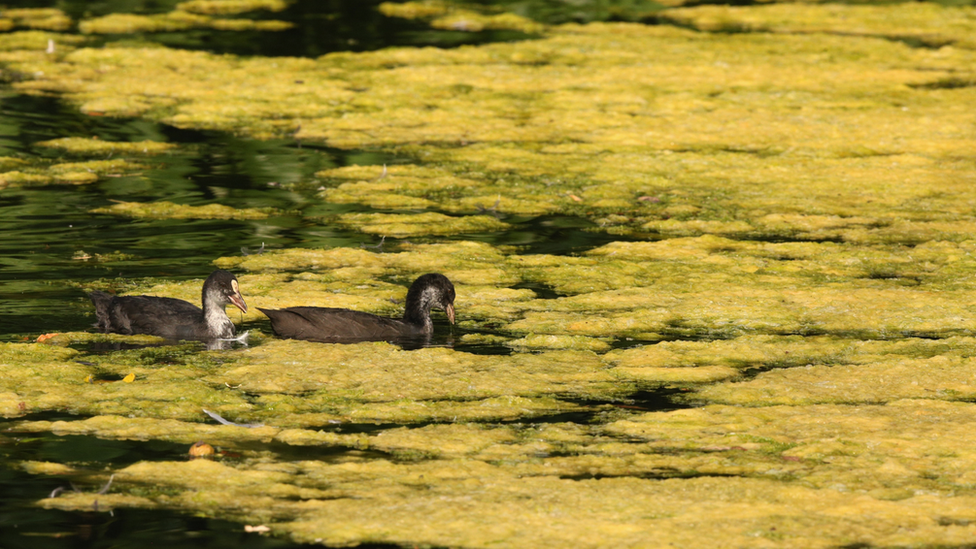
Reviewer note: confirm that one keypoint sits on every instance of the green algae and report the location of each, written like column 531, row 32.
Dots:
column 430, row 223
column 802, row 205
column 22, row 172
column 28, row 372
column 65, row 339
column 92, row 146
column 169, row 210
column 228, row 7
column 538, row 341
column 98, row 167
column 160, row 389
column 179, row 20
column 413, row 10
column 50, row 19
column 296, row 387
column 416, row 187
column 471, row 21
column 929, row 24
column 584, row 155
column 19, row 178
column 343, row 503
column 440, row 15
column 172, row 430
column 817, row 441
column 67, row 173
column 464, row 262
column 354, row 382
column 748, row 459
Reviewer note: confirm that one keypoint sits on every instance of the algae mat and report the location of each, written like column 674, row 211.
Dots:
column 795, row 202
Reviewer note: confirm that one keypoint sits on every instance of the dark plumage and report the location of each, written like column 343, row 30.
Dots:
column 344, row 325
column 172, row 318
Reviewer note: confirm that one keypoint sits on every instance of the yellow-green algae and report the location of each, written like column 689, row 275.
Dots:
column 288, row 384
column 416, row 187
column 177, row 20
column 51, row 19
column 471, row 21
column 169, row 210
column 21, row 46
column 899, row 463
column 30, row 369
column 473, row 503
column 927, row 23
column 297, row 387
column 421, row 224
column 42, row 172
column 413, row 10
column 812, row 189
column 227, row 7
column 443, row 15
column 584, row 112
column 91, row 146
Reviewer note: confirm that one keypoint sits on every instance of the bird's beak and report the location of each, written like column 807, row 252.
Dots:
column 450, row 312
column 237, row 299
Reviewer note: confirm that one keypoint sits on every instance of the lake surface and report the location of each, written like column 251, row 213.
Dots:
column 50, row 241
column 719, row 284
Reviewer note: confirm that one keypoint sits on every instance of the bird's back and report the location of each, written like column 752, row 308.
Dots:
column 160, row 316
column 329, row 324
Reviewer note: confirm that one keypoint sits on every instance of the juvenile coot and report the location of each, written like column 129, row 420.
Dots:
column 344, row 325
column 172, row 318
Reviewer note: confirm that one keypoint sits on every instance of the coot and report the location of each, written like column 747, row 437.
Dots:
column 344, row 325
column 172, row 318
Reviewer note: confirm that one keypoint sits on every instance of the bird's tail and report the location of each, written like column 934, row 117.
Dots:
column 102, row 302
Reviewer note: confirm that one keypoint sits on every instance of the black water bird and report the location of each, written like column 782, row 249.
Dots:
column 344, row 325
column 172, row 318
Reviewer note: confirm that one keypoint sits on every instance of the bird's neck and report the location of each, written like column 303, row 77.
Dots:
column 214, row 314
column 417, row 312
